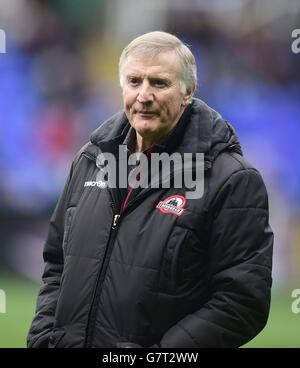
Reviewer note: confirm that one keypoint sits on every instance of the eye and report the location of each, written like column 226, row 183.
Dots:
column 133, row 81
column 159, row 83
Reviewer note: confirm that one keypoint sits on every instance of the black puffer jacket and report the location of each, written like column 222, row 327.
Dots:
column 198, row 278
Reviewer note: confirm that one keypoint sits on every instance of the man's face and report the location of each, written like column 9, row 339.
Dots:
column 152, row 97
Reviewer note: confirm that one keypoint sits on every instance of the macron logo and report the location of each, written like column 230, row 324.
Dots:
column 100, row 184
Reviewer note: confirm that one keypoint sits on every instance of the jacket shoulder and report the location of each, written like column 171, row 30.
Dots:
column 232, row 170
column 228, row 163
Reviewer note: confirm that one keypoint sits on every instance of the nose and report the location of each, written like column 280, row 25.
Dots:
column 145, row 94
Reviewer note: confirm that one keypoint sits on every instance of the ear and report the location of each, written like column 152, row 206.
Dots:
column 187, row 96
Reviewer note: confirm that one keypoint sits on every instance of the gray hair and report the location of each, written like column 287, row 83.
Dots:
column 156, row 42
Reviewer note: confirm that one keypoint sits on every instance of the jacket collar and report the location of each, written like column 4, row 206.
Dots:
column 200, row 129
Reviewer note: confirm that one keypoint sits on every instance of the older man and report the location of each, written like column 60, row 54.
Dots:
column 129, row 266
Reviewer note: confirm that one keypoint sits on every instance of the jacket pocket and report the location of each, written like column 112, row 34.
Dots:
column 56, row 337
column 168, row 276
column 183, row 264
column 67, row 228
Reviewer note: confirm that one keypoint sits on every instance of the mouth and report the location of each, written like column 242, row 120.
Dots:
column 146, row 113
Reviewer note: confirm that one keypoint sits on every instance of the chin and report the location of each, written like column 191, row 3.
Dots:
column 145, row 125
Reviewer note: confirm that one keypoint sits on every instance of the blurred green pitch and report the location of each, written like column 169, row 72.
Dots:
column 282, row 330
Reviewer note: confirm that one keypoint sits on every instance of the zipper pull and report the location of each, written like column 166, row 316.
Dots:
column 115, row 222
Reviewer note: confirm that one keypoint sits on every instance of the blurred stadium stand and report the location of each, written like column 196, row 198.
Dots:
column 59, row 81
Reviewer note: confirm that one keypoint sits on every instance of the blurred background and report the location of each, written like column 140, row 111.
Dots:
column 59, row 82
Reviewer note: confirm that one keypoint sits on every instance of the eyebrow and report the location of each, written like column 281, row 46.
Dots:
column 151, row 78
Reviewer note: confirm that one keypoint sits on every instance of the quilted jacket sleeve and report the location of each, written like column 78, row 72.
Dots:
column 41, row 326
column 239, row 279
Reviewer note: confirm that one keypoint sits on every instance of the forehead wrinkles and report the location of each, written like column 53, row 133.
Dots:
column 165, row 63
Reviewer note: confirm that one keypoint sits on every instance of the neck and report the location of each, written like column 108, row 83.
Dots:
column 143, row 143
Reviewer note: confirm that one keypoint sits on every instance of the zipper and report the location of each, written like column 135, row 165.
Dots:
column 102, row 272
column 99, row 282
column 115, row 222
column 124, row 204
column 104, row 265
